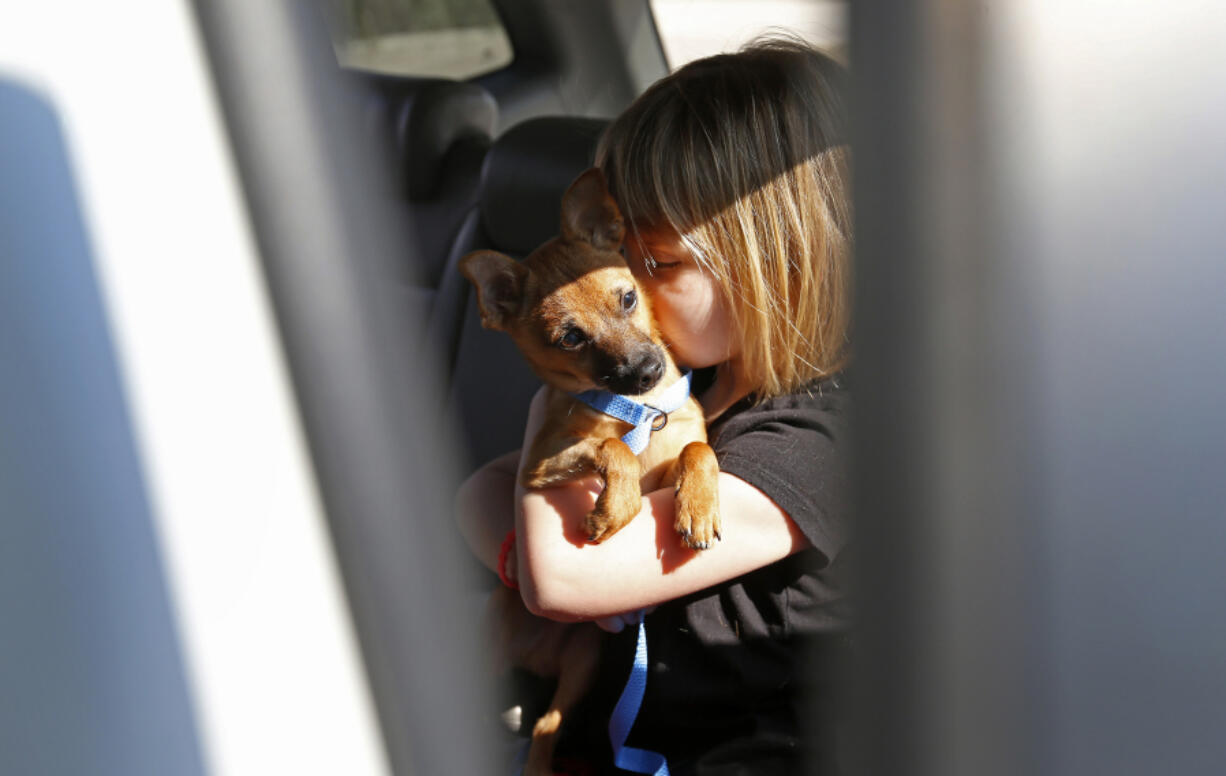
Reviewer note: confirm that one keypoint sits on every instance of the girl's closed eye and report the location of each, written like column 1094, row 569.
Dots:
column 656, row 265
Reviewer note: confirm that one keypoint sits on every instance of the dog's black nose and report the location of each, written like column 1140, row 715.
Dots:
column 640, row 374
column 635, row 373
column 650, row 374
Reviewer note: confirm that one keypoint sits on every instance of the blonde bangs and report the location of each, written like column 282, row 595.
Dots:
column 742, row 156
column 787, row 272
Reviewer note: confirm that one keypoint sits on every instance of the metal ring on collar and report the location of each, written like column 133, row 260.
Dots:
column 661, row 416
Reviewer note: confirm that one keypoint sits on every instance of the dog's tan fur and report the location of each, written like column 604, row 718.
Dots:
column 579, row 281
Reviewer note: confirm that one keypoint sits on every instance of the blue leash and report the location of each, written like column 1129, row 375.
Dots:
column 624, row 713
column 643, row 418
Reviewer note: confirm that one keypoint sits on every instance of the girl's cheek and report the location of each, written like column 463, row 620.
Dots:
column 669, row 302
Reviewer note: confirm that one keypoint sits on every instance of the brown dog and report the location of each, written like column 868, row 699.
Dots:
column 575, row 312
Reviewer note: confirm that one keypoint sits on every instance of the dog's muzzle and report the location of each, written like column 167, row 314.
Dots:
column 637, row 375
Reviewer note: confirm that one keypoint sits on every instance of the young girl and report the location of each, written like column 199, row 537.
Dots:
column 732, row 175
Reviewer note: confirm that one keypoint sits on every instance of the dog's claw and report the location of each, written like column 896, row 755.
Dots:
column 695, row 544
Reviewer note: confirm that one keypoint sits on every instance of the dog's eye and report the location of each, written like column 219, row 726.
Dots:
column 572, row 339
column 630, row 300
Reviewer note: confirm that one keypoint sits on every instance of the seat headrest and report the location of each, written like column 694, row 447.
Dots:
column 423, row 118
column 525, row 174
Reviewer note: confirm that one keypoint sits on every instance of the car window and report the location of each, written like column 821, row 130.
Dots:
column 442, row 38
column 691, row 29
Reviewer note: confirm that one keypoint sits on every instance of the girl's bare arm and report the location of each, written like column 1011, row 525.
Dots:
column 485, row 507
column 564, row 578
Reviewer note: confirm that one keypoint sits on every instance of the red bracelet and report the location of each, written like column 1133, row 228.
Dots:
column 507, row 544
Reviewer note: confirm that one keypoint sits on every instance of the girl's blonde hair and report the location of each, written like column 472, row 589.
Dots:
column 744, row 156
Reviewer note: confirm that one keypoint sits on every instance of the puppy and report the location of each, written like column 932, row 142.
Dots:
column 575, row 312
column 578, row 317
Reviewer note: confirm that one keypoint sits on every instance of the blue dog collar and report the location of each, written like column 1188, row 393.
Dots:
column 642, row 416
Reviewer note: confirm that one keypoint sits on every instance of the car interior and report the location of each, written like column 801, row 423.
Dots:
column 482, row 163
column 241, row 378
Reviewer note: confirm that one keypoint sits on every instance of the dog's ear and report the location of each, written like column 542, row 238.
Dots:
column 590, row 214
column 499, row 283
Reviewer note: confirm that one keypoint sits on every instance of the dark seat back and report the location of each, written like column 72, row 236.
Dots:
column 435, row 134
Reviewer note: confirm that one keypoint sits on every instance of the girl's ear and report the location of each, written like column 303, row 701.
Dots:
column 589, row 213
column 499, row 282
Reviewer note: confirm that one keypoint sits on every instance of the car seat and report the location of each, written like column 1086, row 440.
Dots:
column 434, row 134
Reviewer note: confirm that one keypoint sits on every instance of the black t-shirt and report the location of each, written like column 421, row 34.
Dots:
column 742, row 676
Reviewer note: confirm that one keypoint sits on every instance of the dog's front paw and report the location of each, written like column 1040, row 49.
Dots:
column 596, row 526
column 697, row 498
column 611, row 514
column 697, row 521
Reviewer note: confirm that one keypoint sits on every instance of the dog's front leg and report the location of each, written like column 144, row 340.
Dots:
column 553, row 461
column 621, row 498
column 697, row 496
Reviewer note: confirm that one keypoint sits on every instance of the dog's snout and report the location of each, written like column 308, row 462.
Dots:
column 638, row 373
